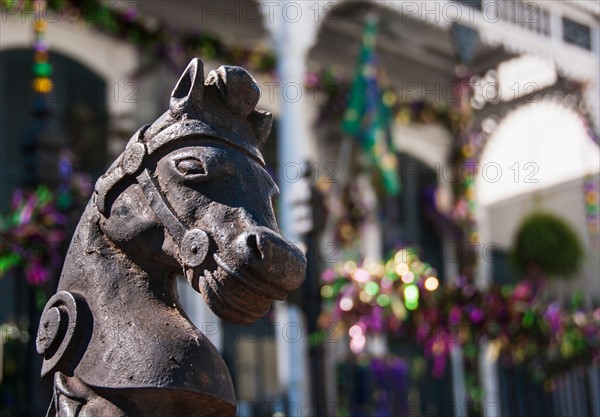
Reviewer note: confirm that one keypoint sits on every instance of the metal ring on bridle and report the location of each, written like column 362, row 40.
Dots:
column 194, row 247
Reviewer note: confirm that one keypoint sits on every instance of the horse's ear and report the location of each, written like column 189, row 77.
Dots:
column 261, row 121
column 238, row 90
column 187, row 95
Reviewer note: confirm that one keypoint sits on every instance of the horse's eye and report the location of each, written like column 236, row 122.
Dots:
column 191, row 166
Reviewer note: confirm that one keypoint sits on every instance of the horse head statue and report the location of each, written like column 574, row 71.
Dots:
column 189, row 195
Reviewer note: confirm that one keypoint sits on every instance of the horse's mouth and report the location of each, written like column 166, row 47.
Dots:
column 235, row 296
column 253, row 283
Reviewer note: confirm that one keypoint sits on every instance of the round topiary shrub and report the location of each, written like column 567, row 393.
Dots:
column 547, row 242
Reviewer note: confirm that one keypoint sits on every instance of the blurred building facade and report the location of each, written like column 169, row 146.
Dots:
column 535, row 70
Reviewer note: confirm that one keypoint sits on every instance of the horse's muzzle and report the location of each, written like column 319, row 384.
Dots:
column 259, row 266
column 272, row 259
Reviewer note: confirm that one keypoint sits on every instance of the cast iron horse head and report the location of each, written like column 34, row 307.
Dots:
column 189, row 194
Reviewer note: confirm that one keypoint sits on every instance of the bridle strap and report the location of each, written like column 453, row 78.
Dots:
column 159, row 206
column 192, row 243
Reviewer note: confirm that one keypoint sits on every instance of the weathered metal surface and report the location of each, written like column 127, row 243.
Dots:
column 188, row 195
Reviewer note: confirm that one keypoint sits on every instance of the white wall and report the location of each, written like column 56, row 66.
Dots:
column 567, row 201
column 537, row 158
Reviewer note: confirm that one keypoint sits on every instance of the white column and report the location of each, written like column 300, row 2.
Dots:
column 556, row 29
column 483, row 251
column 199, row 313
column 488, row 366
column 459, row 392
column 292, row 359
column 1, row 354
column 293, row 26
column 372, row 244
column 488, row 372
column 593, row 92
column 450, row 259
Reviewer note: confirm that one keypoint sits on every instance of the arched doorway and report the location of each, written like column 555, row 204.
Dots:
column 536, row 159
column 537, row 146
column 79, row 107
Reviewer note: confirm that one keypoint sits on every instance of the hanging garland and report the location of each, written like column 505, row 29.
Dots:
column 335, row 86
column 468, row 146
column 403, row 297
column 351, row 208
column 146, row 32
column 572, row 338
column 32, row 234
column 592, row 215
column 546, row 336
column 590, row 188
column 35, row 230
column 32, row 231
column 125, row 21
column 42, row 84
column 350, row 212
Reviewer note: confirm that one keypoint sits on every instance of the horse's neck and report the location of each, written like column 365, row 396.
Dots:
column 139, row 338
column 99, row 271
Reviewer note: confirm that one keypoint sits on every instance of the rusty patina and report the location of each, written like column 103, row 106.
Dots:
column 189, row 195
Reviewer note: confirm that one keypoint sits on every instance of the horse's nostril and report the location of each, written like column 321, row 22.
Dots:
column 252, row 241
